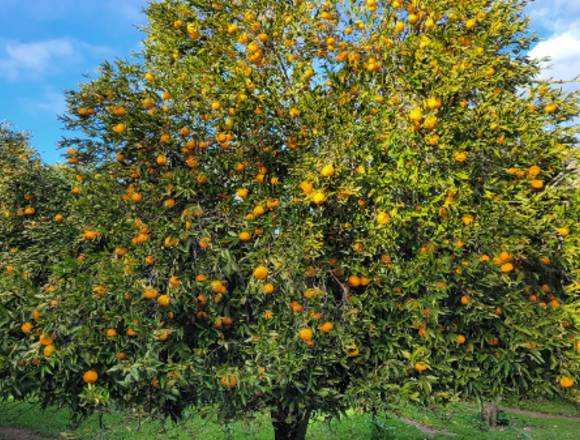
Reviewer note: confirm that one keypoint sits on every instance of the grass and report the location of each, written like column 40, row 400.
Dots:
column 460, row 419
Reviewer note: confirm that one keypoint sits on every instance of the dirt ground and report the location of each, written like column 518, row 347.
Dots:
column 19, row 434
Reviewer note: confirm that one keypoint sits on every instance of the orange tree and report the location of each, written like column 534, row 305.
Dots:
column 302, row 207
column 32, row 207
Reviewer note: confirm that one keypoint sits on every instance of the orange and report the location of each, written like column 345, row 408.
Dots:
column 319, row 198
column 460, row 157
column 111, row 333
column 563, row 232
column 296, row 307
column 36, row 315
column 537, row 184
column 26, row 328
column 354, row 281
column 90, row 376
column 326, row 327
column 460, row 339
column 45, row 339
column 174, row 282
column 383, row 218
column 150, row 293
column 59, row 218
column 268, row 288
column 268, row 314
column 260, row 272
column 434, row 103
column 306, row 334
column 294, row 112
column 242, row 193
column 245, row 236
column 464, row 300
column 420, row 367
column 49, row 350
column 507, row 267
column 416, row 114
column 163, row 300
column 566, row 382
column 119, row 128
column 149, row 260
column 352, row 351
column 161, row 160
column 534, row 171
column 327, row 171
column 306, row 187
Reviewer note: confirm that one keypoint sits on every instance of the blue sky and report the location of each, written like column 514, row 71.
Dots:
column 46, row 46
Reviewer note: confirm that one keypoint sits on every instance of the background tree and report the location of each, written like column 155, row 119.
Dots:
column 304, row 206
column 32, row 209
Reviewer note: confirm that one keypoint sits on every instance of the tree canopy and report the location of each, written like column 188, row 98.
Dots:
column 306, row 206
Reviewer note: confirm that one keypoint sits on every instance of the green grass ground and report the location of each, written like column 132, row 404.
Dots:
column 460, row 419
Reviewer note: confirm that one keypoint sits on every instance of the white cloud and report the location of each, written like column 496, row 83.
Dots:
column 552, row 16
column 563, row 51
column 20, row 60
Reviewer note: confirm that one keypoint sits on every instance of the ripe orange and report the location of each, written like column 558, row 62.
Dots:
column 305, row 334
column 383, row 218
column 354, row 281
column 111, row 333
column 319, row 198
column 119, row 128
column 174, row 281
column 326, row 327
column 26, row 328
column 464, row 300
column 150, row 293
column 534, row 171
column 566, row 382
column 163, row 300
column 352, row 351
column 306, row 187
column 416, row 114
column 161, row 160
column 460, row 339
column 260, row 272
column 49, row 350
column 90, row 376
column 294, row 112
column 242, row 193
column 420, row 367
column 327, row 171
column 507, row 267
column 564, row 231
column 245, row 236
column 551, row 108
column 296, row 307
column 268, row 288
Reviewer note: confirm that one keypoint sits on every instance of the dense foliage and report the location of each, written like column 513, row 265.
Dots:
column 308, row 206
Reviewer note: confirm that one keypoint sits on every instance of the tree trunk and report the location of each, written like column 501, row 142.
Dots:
column 289, row 426
column 489, row 414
